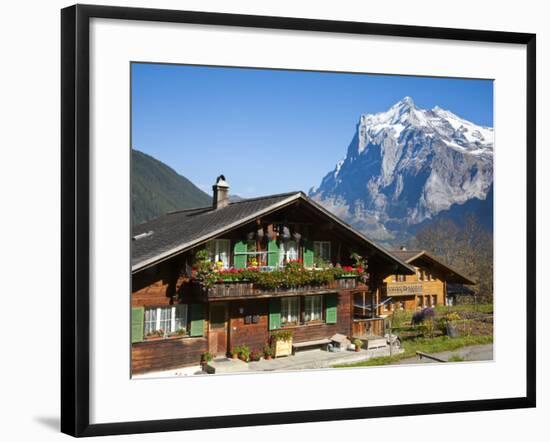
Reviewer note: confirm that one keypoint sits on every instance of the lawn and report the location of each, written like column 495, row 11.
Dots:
column 426, row 345
column 475, row 328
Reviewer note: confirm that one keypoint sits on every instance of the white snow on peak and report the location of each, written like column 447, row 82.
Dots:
column 338, row 167
column 449, row 127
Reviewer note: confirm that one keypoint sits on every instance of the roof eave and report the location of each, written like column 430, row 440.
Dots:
column 464, row 279
column 142, row 265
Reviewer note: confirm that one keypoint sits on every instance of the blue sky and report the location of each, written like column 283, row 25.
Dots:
column 272, row 131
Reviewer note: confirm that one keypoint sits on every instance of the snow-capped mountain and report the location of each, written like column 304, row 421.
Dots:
column 407, row 165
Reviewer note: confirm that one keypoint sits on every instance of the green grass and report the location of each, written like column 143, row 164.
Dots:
column 426, row 345
column 455, row 358
column 441, row 343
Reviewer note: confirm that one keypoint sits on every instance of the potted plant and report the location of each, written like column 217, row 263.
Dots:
column 235, row 352
column 268, row 352
column 244, row 354
column 155, row 334
column 206, row 357
column 358, row 344
column 255, row 355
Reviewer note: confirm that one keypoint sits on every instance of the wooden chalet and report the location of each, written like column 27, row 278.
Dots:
column 178, row 314
column 427, row 287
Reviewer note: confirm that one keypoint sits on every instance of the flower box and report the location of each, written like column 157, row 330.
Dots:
column 283, row 347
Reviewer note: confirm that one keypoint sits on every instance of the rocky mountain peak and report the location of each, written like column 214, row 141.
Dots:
column 406, row 165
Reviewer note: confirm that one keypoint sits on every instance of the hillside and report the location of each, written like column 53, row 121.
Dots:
column 157, row 189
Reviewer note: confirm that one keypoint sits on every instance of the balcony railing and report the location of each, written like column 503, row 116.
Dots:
column 241, row 289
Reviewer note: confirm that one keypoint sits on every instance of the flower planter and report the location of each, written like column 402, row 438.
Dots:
column 283, row 347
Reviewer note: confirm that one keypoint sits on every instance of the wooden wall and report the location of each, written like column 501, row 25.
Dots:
column 166, row 354
column 255, row 336
column 434, row 287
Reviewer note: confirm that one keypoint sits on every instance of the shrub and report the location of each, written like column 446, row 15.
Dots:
column 244, row 353
column 282, row 335
column 255, row 355
column 268, row 351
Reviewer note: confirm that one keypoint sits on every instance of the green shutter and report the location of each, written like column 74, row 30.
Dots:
column 331, row 309
column 239, row 255
column 137, row 324
column 274, row 313
column 197, row 320
column 308, row 255
column 272, row 253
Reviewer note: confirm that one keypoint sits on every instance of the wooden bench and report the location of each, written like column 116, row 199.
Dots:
column 376, row 342
column 307, row 344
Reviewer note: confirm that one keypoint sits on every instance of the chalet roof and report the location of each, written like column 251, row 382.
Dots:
column 413, row 256
column 178, row 231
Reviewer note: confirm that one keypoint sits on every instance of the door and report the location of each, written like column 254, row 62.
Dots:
column 217, row 336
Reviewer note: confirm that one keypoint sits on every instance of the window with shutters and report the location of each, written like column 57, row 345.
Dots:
column 166, row 321
column 321, row 251
column 313, row 308
column 220, row 252
column 290, row 310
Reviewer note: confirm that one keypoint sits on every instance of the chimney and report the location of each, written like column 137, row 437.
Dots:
column 403, row 248
column 221, row 193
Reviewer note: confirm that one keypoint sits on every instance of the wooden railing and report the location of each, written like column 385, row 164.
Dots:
column 368, row 327
column 239, row 290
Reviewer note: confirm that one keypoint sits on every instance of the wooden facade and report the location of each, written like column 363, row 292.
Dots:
column 226, row 323
column 427, row 287
column 176, row 319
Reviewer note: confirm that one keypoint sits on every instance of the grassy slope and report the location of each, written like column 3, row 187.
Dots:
column 157, row 189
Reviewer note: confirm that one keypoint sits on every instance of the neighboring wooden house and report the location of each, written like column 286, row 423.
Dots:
column 178, row 313
column 427, row 287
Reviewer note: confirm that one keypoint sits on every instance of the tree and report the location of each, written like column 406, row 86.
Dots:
column 467, row 248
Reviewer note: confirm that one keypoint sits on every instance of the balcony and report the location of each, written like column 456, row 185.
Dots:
column 230, row 290
column 402, row 288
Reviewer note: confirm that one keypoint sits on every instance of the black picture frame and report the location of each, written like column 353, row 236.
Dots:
column 75, row 211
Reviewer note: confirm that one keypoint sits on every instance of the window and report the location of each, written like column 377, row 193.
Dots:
column 427, row 301
column 393, row 278
column 434, row 300
column 165, row 320
column 290, row 309
column 288, row 251
column 401, row 305
column 321, row 250
column 220, row 251
column 401, row 278
column 313, row 308
column 419, row 301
